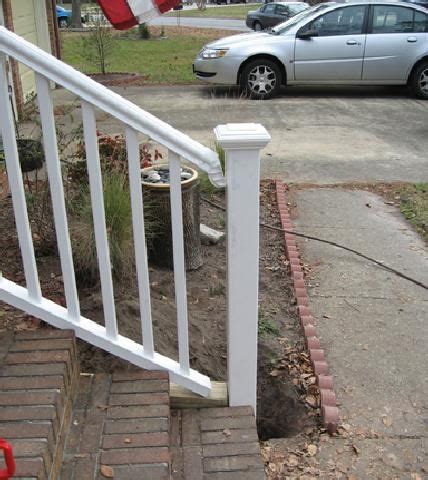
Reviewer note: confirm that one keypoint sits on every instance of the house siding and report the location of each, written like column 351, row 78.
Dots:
column 33, row 20
column 30, row 23
column 14, row 66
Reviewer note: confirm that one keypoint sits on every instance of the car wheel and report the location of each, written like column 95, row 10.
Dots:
column 62, row 23
column 419, row 81
column 261, row 79
column 258, row 26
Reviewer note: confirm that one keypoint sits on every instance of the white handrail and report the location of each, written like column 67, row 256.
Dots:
column 112, row 103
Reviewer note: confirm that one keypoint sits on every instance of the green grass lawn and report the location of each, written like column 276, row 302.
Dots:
column 162, row 60
column 414, row 206
column 238, row 12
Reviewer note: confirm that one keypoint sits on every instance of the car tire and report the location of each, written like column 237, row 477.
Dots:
column 257, row 27
column 419, row 81
column 62, row 23
column 261, row 79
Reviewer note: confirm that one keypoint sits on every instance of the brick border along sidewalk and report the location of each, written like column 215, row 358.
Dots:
column 329, row 410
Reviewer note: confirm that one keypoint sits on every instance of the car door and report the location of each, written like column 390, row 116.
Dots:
column 396, row 38
column 268, row 17
column 335, row 50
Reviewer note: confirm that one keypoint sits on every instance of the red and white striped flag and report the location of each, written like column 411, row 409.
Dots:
column 124, row 14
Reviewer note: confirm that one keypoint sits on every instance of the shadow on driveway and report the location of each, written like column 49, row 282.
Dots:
column 324, row 91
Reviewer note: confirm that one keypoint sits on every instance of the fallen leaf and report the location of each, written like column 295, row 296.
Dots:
column 312, row 450
column 326, row 316
column 292, row 461
column 356, row 449
column 107, row 471
column 311, row 400
column 127, row 440
column 387, row 421
column 227, row 432
column 274, row 373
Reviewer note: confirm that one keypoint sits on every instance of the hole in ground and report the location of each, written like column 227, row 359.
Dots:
column 280, row 412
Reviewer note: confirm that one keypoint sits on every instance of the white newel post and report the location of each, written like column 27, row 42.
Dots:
column 242, row 144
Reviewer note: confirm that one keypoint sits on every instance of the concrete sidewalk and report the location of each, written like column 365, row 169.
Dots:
column 373, row 326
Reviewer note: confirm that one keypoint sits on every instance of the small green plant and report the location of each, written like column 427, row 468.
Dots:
column 206, row 186
column 414, row 206
column 218, row 290
column 222, row 220
column 143, row 31
column 266, row 325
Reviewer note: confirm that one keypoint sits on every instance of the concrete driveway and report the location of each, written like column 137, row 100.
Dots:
column 319, row 134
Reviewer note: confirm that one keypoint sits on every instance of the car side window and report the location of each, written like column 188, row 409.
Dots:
column 269, row 9
column 342, row 21
column 262, row 8
column 281, row 10
column 420, row 23
column 392, row 19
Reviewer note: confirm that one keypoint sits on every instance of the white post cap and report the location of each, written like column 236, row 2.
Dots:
column 242, row 136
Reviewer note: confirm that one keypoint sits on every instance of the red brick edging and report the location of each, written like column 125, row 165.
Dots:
column 329, row 410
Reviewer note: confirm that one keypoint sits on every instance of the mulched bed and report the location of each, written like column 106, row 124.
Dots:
column 288, row 397
column 119, row 79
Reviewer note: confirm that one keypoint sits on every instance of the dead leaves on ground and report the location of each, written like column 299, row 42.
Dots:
column 295, row 363
column 287, row 463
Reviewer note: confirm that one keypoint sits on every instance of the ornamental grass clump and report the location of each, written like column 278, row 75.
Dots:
column 118, row 218
column 118, row 212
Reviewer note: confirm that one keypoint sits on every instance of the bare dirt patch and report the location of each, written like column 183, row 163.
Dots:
column 287, row 403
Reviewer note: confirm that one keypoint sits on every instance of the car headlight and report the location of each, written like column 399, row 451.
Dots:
column 214, row 52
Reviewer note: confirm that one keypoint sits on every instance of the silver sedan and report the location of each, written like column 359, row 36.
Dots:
column 358, row 43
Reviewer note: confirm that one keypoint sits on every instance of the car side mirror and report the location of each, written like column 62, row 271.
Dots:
column 307, row 35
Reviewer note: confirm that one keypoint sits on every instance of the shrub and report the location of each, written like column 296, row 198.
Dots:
column 97, row 46
column 143, row 31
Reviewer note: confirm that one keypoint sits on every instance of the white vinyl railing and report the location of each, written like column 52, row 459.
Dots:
column 242, row 144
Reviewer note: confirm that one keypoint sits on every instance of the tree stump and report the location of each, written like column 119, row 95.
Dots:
column 157, row 202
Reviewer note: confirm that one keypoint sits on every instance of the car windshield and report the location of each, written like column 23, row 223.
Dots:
column 285, row 26
column 297, row 8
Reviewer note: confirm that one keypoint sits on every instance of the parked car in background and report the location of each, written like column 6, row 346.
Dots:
column 271, row 14
column 63, row 17
column 226, row 2
column 355, row 43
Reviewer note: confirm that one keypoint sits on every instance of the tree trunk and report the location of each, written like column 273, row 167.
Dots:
column 160, row 249
column 76, row 14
